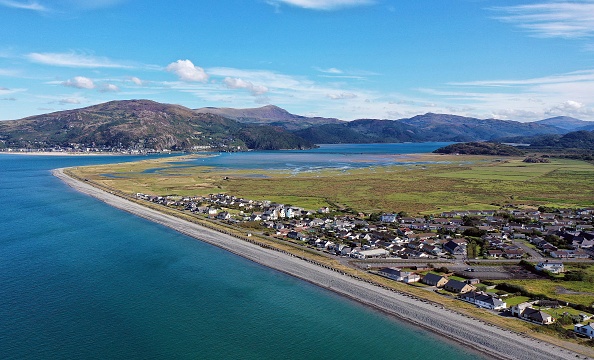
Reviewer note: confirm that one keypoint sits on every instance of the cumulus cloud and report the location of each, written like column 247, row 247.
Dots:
column 342, row 96
column 80, row 82
column 237, row 83
column 74, row 60
column 187, row 71
column 109, row 88
column 322, row 4
column 570, row 108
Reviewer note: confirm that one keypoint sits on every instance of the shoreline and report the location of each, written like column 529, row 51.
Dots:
column 490, row 340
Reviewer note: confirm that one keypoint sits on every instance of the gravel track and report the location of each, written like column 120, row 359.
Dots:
column 489, row 339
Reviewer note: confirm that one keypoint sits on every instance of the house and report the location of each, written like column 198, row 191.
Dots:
column 495, row 253
column 553, row 267
column 223, row 215
column 458, row 287
column 342, row 249
column 454, row 249
column 434, row 280
column 526, row 312
column 537, row 316
column 388, row 218
column 483, row 300
column 399, row 275
column 585, row 330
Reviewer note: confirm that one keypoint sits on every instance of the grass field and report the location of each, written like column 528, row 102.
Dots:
column 460, row 184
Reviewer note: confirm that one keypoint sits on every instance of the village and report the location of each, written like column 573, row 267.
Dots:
column 548, row 238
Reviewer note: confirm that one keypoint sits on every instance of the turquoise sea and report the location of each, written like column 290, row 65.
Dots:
column 82, row 280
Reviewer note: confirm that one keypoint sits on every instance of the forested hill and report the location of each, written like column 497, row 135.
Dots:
column 574, row 140
column 480, row 148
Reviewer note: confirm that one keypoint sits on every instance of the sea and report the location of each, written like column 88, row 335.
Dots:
column 82, row 280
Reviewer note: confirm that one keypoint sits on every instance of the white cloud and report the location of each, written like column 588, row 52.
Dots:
column 74, row 60
column 342, row 96
column 330, row 71
column 6, row 91
column 109, row 88
column 237, row 83
column 69, row 101
column 136, row 80
column 80, row 82
column 187, row 71
column 567, row 19
column 322, row 4
column 31, row 5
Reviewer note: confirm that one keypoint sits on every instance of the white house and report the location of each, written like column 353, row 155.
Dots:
column 483, row 300
column 399, row 275
column 554, row 267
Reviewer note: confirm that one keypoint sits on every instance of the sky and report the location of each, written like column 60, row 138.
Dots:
column 348, row 59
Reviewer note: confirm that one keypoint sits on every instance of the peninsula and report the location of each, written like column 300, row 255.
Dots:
column 493, row 341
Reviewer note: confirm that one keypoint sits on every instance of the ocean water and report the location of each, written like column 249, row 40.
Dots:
column 82, row 280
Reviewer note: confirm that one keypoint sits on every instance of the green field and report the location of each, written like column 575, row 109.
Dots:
column 455, row 183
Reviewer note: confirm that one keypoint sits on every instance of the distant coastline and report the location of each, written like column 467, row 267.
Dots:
column 490, row 340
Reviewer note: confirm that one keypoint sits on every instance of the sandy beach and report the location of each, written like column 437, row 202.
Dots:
column 489, row 339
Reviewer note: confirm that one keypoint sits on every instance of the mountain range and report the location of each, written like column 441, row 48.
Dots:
column 145, row 124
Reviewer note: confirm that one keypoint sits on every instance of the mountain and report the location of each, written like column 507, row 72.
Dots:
column 444, row 127
column 581, row 139
column 361, row 131
column 427, row 127
column 142, row 124
column 145, row 124
column 270, row 115
column 566, row 123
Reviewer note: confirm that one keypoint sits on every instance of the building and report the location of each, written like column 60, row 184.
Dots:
column 526, row 312
column 483, row 300
column 458, row 286
column 399, row 275
column 434, row 280
column 370, row 254
column 584, row 330
column 554, row 267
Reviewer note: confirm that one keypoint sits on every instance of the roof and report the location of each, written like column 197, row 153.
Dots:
column 455, row 284
column 434, row 278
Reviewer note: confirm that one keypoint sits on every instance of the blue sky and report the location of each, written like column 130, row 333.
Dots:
column 350, row 59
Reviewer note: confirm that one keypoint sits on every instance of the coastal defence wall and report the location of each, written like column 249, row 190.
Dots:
column 493, row 341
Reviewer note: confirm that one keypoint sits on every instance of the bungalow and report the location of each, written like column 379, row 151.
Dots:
column 399, row 275
column 526, row 312
column 432, row 279
column 458, row 286
column 495, row 253
column 585, row 330
column 553, row 267
column 513, row 253
column 483, row 300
